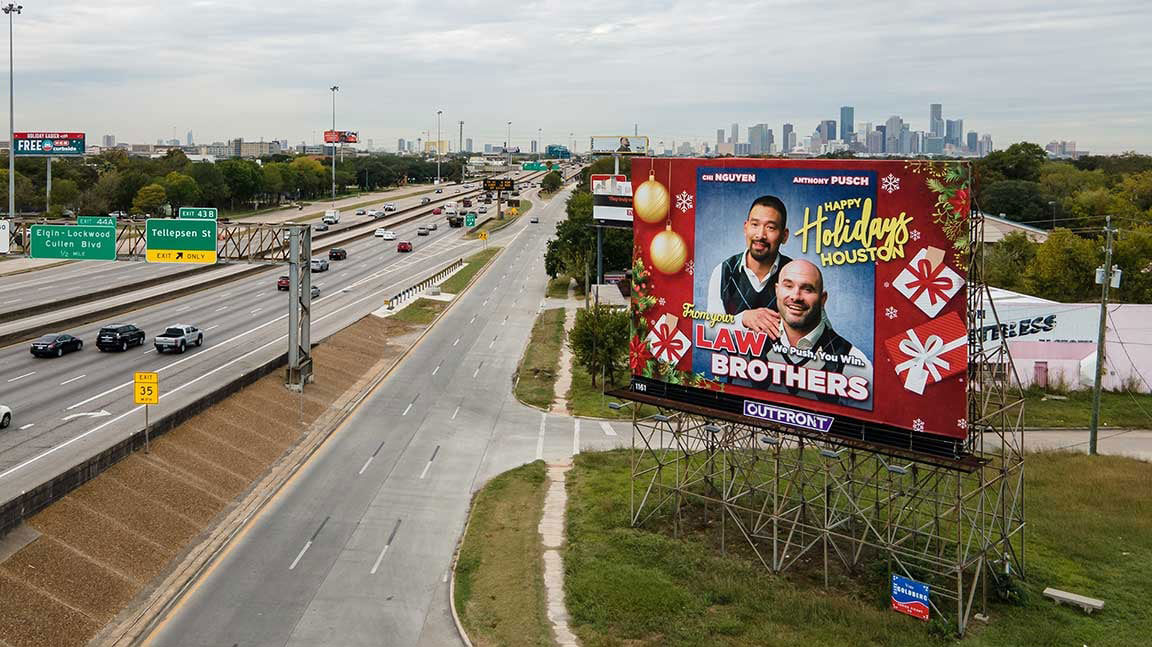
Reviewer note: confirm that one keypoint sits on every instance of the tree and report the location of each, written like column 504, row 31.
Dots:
column 149, row 199
column 244, row 179
column 65, row 193
column 1059, row 180
column 213, row 188
column 551, row 182
column 182, row 190
column 273, row 180
column 1089, row 207
column 1018, row 200
column 25, row 192
column 99, row 197
column 1063, row 267
column 1021, row 161
column 1006, row 261
column 599, row 341
column 1133, row 255
column 1137, row 188
column 129, row 184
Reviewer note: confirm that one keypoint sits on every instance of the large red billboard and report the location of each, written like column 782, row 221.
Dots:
column 341, row 137
column 804, row 292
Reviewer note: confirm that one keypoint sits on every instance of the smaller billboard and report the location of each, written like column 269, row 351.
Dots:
column 341, row 137
column 910, row 597
column 48, row 144
column 620, row 145
column 611, row 199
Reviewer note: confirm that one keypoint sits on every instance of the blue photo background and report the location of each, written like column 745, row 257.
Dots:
column 722, row 207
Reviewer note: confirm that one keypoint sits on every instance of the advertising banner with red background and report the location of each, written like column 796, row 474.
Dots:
column 858, row 316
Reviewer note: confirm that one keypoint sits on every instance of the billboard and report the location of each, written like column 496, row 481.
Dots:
column 341, row 137
column 611, row 199
column 499, row 184
column 619, row 145
column 47, row 144
column 818, row 294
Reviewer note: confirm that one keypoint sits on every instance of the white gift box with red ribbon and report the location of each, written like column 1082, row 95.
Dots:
column 666, row 341
column 928, row 282
column 930, row 352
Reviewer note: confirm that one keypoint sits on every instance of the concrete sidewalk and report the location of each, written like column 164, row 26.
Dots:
column 1133, row 443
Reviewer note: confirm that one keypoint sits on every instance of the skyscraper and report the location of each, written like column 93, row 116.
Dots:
column 468, row 145
column 109, row 141
column 847, row 121
column 953, row 131
column 188, row 139
column 892, row 129
column 973, row 141
column 759, row 137
column 936, row 119
column 827, row 130
column 735, row 133
column 787, row 139
column 719, row 135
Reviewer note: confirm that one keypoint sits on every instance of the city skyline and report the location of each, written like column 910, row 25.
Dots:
column 264, row 70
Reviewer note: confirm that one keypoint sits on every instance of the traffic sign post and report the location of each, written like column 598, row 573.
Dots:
column 146, row 391
column 484, row 237
column 201, row 213
column 180, row 241
column 81, row 243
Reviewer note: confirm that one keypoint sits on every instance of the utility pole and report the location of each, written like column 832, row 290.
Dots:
column 11, row 9
column 508, row 145
column 334, row 88
column 438, row 113
column 1093, row 428
column 461, row 146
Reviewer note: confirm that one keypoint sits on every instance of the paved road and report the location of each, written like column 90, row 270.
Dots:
column 1134, row 443
column 66, row 409
column 83, row 277
column 356, row 550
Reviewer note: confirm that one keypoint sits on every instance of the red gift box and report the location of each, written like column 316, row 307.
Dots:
column 930, row 352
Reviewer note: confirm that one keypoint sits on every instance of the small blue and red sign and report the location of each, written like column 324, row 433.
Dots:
column 910, row 597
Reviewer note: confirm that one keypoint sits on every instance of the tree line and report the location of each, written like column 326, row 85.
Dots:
column 116, row 181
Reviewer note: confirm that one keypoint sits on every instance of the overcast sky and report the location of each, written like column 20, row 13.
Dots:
column 1032, row 70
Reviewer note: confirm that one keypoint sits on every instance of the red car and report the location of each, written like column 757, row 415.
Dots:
column 404, row 246
column 437, row 211
column 283, row 283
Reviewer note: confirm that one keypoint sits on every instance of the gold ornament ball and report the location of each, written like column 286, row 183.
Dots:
column 650, row 202
column 668, row 251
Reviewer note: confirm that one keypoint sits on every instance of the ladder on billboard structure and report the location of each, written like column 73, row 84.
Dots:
column 936, row 496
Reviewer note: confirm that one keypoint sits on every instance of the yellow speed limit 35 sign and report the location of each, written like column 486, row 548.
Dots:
column 146, row 387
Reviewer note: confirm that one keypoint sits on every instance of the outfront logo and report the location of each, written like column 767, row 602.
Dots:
column 785, row 416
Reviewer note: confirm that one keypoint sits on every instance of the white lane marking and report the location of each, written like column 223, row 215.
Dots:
column 78, row 377
column 379, row 559
column 365, row 466
column 221, row 308
column 223, row 366
column 21, row 377
column 472, row 319
column 485, row 302
column 445, row 578
column 540, row 437
column 12, row 301
column 302, row 551
column 28, row 426
column 89, row 414
column 476, row 372
column 211, row 327
column 576, row 438
column 183, row 308
column 226, row 294
column 608, row 430
column 407, row 409
column 256, row 310
column 150, row 350
column 437, row 369
column 456, row 342
column 456, row 412
column 492, row 342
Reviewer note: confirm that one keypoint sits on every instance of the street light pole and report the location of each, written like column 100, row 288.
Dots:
column 11, row 9
column 335, row 88
column 438, row 113
column 508, row 144
column 539, row 143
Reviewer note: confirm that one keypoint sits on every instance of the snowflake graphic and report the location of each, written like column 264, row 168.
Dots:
column 891, row 312
column 662, row 301
column 914, row 234
column 683, row 201
column 887, row 284
column 691, row 268
column 962, row 423
column 890, row 183
column 917, row 425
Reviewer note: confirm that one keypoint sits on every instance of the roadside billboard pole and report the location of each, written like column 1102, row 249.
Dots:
column 48, row 187
column 10, row 9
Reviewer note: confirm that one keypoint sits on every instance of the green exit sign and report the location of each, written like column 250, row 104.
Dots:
column 470, row 220
column 202, row 213
column 96, row 221
column 79, row 243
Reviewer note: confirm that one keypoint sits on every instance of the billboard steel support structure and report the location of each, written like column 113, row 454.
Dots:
column 803, row 499
column 299, row 370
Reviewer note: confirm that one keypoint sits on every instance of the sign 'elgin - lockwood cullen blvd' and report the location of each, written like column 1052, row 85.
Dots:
column 180, row 241
column 73, row 242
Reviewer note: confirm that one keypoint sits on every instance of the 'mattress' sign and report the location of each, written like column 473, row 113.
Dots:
column 823, row 287
column 48, row 144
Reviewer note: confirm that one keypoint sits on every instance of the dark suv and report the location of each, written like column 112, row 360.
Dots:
column 119, row 337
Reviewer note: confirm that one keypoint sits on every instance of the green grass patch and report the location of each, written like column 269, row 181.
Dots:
column 1132, row 410
column 536, row 376
column 495, row 225
column 421, row 311
column 589, row 401
column 473, row 264
column 1089, row 531
column 558, row 287
column 500, row 573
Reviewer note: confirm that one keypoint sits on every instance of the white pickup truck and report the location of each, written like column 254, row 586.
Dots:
column 178, row 338
column 332, row 217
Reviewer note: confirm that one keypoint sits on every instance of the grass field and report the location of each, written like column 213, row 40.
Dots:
column 536, row 376
column 1089, row 531
column 474, row 263
column 585, row 400
column 1116, row 410
column 494, row 225
column 558, row 287
column 500, row 573
column 421, row 311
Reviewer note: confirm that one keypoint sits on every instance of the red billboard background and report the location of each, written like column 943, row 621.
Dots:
column 341, row 137
column 914, row 302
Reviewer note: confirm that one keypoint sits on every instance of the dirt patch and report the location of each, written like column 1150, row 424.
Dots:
column 108, row 542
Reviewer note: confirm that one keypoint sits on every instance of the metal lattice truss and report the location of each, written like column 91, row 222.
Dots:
column 802, row 498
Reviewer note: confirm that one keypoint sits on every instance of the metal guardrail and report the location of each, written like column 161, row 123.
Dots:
column 415, row 290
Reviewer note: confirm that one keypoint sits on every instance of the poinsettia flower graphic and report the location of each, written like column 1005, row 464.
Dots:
column 959, row 202
column 638, row 354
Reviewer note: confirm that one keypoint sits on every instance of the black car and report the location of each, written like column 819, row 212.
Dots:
column 55, row 345
column 337, row 254
column 119, row 337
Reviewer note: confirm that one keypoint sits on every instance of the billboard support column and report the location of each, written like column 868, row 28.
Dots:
column 48, row 187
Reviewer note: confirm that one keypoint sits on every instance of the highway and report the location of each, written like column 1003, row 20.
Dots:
column 356, row 549
column 66, row 409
